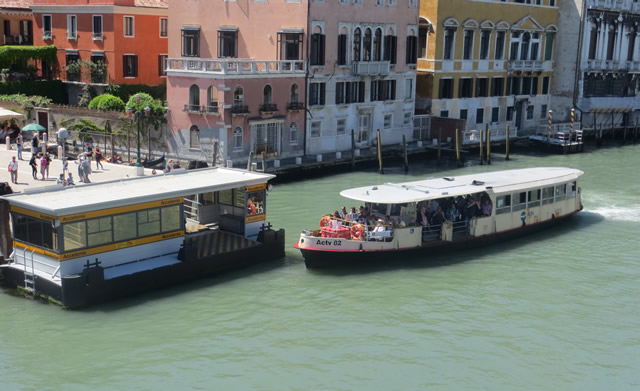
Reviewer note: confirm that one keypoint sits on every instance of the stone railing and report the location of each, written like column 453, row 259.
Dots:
column 370, row 67
column 526, row 65
column 236, row 66
column 623, row 5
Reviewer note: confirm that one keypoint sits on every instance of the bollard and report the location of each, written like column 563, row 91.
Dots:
column 338, row 155
column 8, row 143
column 229, row 163
column 298, row 160
column 45, row 140
column 60, row 152
column 276, row 163
column 318, row 158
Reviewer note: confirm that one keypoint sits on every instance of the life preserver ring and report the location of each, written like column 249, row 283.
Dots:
column 325, row 221
column 356, row 231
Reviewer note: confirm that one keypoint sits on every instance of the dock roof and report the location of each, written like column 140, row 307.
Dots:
column 61, row 201
column 453, row 186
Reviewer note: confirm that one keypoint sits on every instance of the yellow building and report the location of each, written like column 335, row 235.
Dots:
column 487, row 62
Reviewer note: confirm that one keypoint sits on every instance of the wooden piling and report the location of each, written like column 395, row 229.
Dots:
column 249, row 161
column 458, row 162
column 481, row 151
column 406, row 157
column 264, row 163
column 506, row 145
column 488, row 145
column 380, row 153
column 215, row 154
column 439, row 143
column 353, row 149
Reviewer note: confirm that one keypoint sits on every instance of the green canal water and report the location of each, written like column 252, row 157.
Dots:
column 558, row 310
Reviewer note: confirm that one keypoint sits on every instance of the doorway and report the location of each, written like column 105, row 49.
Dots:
column 364, row 128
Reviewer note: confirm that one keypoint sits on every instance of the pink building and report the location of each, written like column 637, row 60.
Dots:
column 236, row 77
column 289, row 77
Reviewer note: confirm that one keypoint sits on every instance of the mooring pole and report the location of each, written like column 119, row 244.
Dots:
column 573, row 117
column 406, row 158
column 439, row 142
column 353, row 149
column 549, row 130
column 459, row 163
column 488, row 145
column 481, row 151
column 380, row 153
column 506, row 146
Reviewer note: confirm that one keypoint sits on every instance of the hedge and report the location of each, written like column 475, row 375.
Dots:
column 10, row 55
column 107, row 102
column 52, row 89
column 125, row 91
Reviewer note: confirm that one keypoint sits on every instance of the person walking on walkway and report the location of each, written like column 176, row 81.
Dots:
column 34, row 167
column 19, row 145
column 43, row 165
column 86, row 170
column 98, row 156
column 13, row 169
column 34, row 144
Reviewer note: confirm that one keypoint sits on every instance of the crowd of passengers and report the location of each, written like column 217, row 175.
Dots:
column 429, row 214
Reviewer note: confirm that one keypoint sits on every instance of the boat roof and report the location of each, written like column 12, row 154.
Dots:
column 453, row 186
column 61, row 201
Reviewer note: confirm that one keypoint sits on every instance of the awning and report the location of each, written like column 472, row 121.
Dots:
column 6, row 114
column 191, row 27
column 228, row 28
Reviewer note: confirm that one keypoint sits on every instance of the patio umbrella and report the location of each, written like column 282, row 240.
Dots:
column 34, row 127
column 6, row 114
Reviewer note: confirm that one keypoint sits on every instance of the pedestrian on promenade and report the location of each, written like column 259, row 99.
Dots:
column 34, row 144
column 86, row 170
column 34, row 166
column 98, row 156
column 19, row 145
column 43, row 165
column 13, row 169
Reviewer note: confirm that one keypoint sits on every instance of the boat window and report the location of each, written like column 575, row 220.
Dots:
column 171, row 218
column 225, row 197
column 238, row 198
column 99, row 231
column 547, row 195
column 34, row 231
column 503, row 204
column 561, row 192
column 379, row 209
column 572, row 192
column 534, row 198
column 124, row 227
column 75, row 235
column 207, row 198
column 148, row 222
column 255, row 203
column 519, row 201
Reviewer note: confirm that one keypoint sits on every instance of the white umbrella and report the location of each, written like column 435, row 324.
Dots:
column 6, row 114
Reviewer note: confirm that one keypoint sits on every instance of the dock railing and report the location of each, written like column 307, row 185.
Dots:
column 497, row 134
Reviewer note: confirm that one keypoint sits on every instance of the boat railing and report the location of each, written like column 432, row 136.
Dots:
column 28, row 262
column 191, row 208
column 460, row 228
column 431, row 232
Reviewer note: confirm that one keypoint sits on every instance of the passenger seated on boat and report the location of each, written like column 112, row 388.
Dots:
column 422, row 217
column 460, row 203
column 486, row 208
column 343, row 212
column 452, row 213
column 379, row 228
column 353, row 215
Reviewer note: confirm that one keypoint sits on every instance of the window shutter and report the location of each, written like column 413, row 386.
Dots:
column 322, row 93
column 321, row 49
column 394, row 48
column 361, row 94
column 342, row 49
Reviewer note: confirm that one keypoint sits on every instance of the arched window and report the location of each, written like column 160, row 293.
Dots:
column 377, row 45
column 524, row 46
column 366, row 46
column 294, row 93
column 212, row 99
column 237, row 139
column 238, row 96
column 194, row 137
column 357, row 36
column 293, row 134
column 267, row 92
column 194, row 98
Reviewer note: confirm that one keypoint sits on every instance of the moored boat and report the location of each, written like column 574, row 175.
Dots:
column 445, row 213
column 78, row 246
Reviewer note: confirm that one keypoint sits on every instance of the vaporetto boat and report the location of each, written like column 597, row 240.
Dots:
column 80, row 245
column 442, row 213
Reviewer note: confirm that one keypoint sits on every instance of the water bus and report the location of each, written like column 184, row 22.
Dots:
column 442, row 213
column 80, row 245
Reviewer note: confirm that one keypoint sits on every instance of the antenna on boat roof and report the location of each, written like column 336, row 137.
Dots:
column 477, row 183
column 449, row 178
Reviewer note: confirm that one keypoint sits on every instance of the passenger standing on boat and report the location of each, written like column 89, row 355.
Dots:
column 433, row 206
column 423, row 217
column 353, row 213
column 486, row 208
column 453, row 213
column 438, row 217
column 471, row 209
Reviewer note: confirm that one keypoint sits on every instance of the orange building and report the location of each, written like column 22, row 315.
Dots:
column 128, row 36
column 15, row 23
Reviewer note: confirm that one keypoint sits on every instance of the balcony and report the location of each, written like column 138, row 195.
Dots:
column 622, row 5
column 192, row 108
column 236, row 67
column 97, row 36
column 612, row 65
column 295, row 106
column 210, row 109
column 239, row 109
column 426, row 65
column 47, row 35
column 527, row 65
column 365, row 68
column 268, row 108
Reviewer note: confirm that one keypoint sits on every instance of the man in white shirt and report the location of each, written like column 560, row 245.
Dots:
column 13, row 169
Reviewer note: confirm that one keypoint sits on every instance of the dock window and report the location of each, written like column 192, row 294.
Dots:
column 34, row 231
column 171, row 218
column 547, row 195
column 75, row 235
column 534, row 198
column 124, row 227
column 503, row 204
column 519, row 201
column 572, row 191
column 99, row 231
column 561, row 192
column 255, row 203
column 148, row 222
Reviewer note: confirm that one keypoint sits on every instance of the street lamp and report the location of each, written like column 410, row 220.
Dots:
column 138, row 116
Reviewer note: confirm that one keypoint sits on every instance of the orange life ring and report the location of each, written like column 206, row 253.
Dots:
column 325, row 221
column 356, row 231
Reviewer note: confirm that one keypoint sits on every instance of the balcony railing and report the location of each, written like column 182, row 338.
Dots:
column 211, row 109
column 622, row 5
column 526, row 65
column 269, row 107
column 613, row 65
column 97, row 36
column 371, row 67
column 192, row 108
column 236, row 67
column 47, row 35
column 295, row 106
column 239, row 109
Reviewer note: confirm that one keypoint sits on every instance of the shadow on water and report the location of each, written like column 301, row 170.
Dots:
column 399, row 261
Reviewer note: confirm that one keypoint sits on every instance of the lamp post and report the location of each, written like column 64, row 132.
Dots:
column 138, row 116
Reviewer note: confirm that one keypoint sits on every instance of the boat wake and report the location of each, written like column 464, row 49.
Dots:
column 630, row 213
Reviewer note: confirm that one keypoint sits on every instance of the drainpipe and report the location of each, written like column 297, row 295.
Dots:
column 306, row 83
column 578, row 58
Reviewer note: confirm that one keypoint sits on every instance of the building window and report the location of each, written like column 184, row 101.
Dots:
column 267, row 95
column 515, row 44
column 164, row 27
column 212, row 99
column 593, row 40
column 482, row 87
column 479, row 116
column 290, row 45
column 466, row 88
column 497, row 86
column 388, row 120
column 162, row 65
column 342, row 49
column 543, row 112
column 467, row 53
column 526, row 85
column 390, row 48
column 552, row 3
column 238, row 96
column 98, row 77
column 530, row 112
column 377, row 45
column 315, row 128
column 194, row 137
column 191, row 43
column 446, row 89
column 129, row 26
column 227, row 44
column 463, row 114
column 423, row 37
column 293, row 134
column 341, row 126
column 545, row 85
column 449, row 35
column 406, row 121
column 366, row 46
column 237, row 139
column 317, row 49
column 495, row 111
column 499, row 45
column 444, row 113
column 510, row 113
column 389, row 89
column 534, row 85
column 130, row 66
column 46, row 27
column 194, row 98
column 70, row 59
column 485, row 36
column 72, row 27
column 357, row 37
column 412, row 50
column 294, row 94
column 316, row 94
column 408, row 88
column 97, row 27
column 350, row 92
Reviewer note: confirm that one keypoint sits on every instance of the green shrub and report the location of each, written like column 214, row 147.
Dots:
column 107, row 102
column 125, row 91
column 52, row 89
